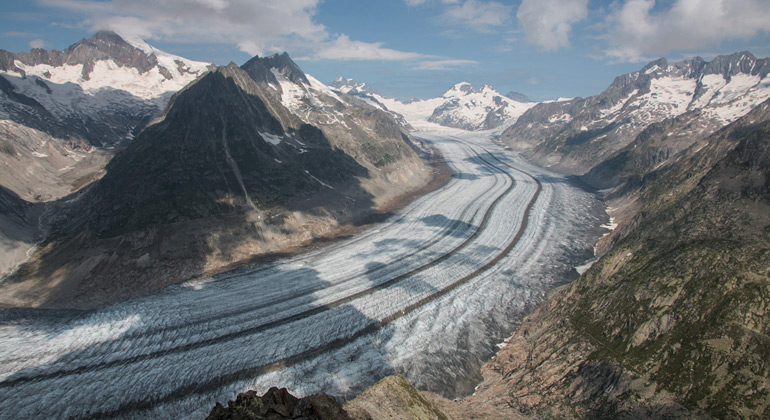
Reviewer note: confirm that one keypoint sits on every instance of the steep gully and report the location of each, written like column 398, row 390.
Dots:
column 191, row 340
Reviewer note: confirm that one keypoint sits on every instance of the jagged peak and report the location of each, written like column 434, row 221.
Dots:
column 259, row 69
column 660, row 63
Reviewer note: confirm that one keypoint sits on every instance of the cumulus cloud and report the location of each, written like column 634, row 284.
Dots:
column 256, row 27
column 343, row 48
column 636, row 31
column 481, row 16
column 547, row 23
column 258, row 24
column 37, row 43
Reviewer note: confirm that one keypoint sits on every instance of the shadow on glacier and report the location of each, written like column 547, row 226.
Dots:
column 451, row 227
column 165, row 323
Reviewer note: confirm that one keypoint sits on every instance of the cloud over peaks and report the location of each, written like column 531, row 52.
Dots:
column 482, row 16
column 637, row 30
column 547, row 23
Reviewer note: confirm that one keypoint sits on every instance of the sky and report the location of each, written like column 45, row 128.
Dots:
column 407, row 49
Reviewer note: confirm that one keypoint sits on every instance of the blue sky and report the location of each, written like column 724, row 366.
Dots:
column 416, row 48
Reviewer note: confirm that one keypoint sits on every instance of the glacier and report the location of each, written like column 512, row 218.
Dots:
column 426, row 293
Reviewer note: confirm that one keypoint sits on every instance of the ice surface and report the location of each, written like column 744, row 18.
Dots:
column 233, row 332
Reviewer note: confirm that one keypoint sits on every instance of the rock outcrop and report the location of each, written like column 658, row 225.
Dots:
column 392, row 397
column 277, row 404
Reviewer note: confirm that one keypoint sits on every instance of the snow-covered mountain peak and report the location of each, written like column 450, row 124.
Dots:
column 720, row 91
column 460, row 89
column 352, row 87
column 461, row 106
column 471, row 109
column 103, row 80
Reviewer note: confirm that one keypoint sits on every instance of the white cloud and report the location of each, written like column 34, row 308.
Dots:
column 343, row 48
column 547, row 23
column 636, row 31
column 256, row 26
column 481, row 16
column 420, row 2
column 37, row 43
column 444, row 64
column 415, row 2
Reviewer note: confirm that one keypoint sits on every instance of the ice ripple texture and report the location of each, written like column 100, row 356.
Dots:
column 427, row 293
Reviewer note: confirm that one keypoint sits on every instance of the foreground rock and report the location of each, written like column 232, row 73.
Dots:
column 391, row 398
column 279, row 404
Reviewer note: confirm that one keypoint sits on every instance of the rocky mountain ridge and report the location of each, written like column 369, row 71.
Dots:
column 575, row 135
column 244, row 161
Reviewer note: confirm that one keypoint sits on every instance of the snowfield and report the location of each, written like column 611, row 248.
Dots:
column 427, row 293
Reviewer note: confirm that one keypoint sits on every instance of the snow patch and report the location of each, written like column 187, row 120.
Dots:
column 271, row 138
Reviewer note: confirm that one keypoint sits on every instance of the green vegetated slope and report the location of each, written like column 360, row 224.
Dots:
column 673, row 320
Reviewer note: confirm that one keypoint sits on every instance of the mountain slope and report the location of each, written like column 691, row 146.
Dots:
column 672, row 322
column 575, row 135
column 227, row 173
column 64, row 111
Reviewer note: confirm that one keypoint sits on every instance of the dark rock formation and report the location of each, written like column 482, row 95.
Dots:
column 279, row 404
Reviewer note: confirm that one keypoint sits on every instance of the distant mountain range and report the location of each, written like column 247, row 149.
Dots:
column 462, row 106
column 242, row 161
column 575, row 135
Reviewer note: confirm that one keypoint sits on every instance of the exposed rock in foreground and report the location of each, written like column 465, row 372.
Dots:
column 391, row 398
column 279, row 404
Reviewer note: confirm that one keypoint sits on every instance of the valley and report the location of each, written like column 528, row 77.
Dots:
column 445, row 277
column 176, row 232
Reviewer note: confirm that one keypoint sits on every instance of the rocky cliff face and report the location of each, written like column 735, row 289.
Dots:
column 243, row 162
column 576, row 135
column 672, row 322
